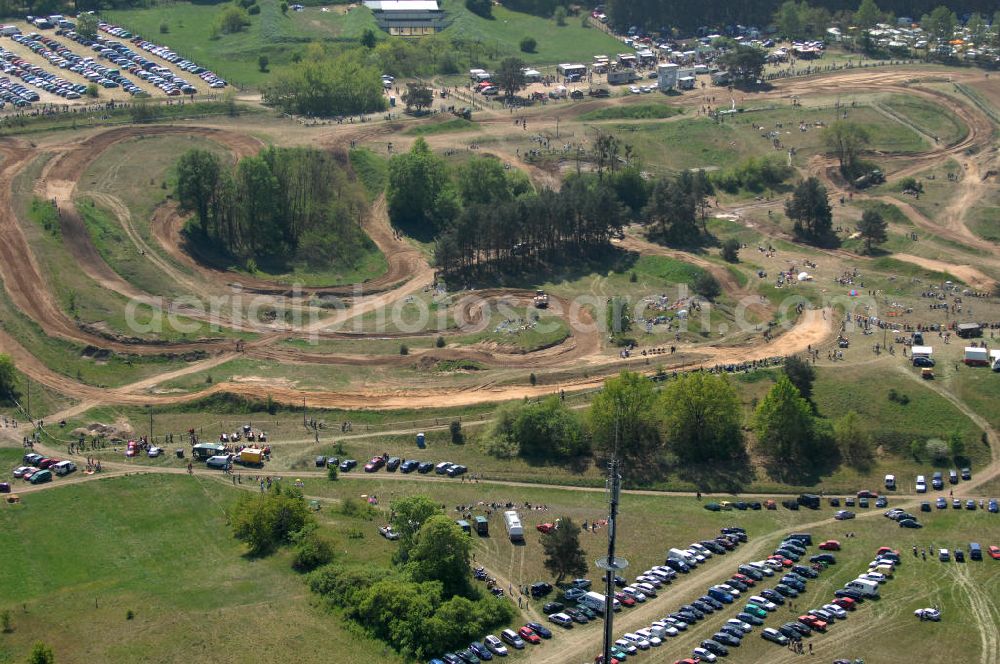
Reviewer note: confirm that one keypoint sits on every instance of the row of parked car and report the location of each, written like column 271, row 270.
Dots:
column 212, row 79
column 38, row 469
column 937, row 480
column 494, row 646
column 63, row 57
column 392, row 463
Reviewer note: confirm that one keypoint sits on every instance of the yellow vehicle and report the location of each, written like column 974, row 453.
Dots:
column 252, row 456
column 927, row 373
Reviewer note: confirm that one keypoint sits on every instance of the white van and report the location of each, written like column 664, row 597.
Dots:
column 683, row 556
column 921, row 484
column 866, row 587
column 63, row 467
column 596, row 602
column 890, row 482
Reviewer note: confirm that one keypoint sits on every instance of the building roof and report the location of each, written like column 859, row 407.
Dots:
column 402, row 5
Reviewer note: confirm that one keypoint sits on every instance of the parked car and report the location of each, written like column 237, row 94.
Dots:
column 843, row 515
column 495, row 645
column 703, row 655
column 994, row 552
column 375, row 465
column 774, row 636
column 928, row 614
column 481, row 651
column 347, row 464
column 513, row 639
column 40, row 477
column 966, row 474
column 4, row 487
column 409, row 466
column 539, row 629
column 715, row 647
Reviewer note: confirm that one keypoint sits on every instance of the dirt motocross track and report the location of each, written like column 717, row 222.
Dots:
column 407, row 274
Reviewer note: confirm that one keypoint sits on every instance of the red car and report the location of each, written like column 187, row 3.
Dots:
column 785, row 562
column 374, row 465
column 600, row 660
column 885, row 549
column 545, row 528
column 687, row 660
column 29, row 472
column 994, row 552
column 830, row 545
column 846, row 603
column 813, row 622
column 628, row 600
column 745, row 579
column 47, row 463
column 867, row 494
column 529, row 635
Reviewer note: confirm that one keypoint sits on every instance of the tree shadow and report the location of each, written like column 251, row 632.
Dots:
column 554, row 268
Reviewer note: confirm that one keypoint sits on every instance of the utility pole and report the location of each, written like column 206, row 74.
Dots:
column 611, row 565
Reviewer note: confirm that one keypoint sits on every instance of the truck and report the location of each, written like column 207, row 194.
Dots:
column 515, row 531
column 969, row 330
column 541, row 300
column 977, row 357
column 596, row 602
column 252, row 456
column 809, row 500
column 203, row 451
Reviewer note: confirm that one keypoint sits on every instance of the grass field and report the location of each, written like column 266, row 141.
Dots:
column 632, row 112
column 927, row 117
column 158, row 546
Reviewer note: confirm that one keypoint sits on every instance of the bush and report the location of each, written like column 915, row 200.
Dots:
column 560, row 16
column 164, row 28
column 529, row 44
column 311, row 551
column 232, row 19
column 266, row 521
column 404, row 349
column 730, row 251
column 331, row 472
column 439, row 342
column 262, row 63
column 482, row 8
column 938, row 450
column 6, row 626
column 253, row 10
column 130, row 614
column 457, row 437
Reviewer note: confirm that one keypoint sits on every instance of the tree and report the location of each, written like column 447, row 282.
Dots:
column 323, row 84
column 940, row 24
column 783, row 424
column 455, row 430
column 745, row 65
column 86, row 25
column 482, row 8
column 788, row 19
column 312, row 550
column 917, row 449
column 730, row 250
column 368, row 38
column 623, row 416
column 847, row 140
column 706, row 285
column 810, row 210
column 8, row 380
column 231, row 19
column 41, row 654
column 702, row 418
column 262, row 62
column 528, row 44
column 937, row 449
column 872, row 228
column 408, row 515
column 672, row 211
column 560, row 15
column 549, row 429
column 484, row 181
column 956, row 445
column 868, row 15
column 265, row 521
column 418, row 96
column 419, row 190
column 284, row 8
column 978, row 29
column 563, row 554
column 441, row 552
column 164, row 27
column 854, row 441
column 801, row 374
column 510, row 76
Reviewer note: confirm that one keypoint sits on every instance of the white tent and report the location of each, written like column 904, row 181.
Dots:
column 921, row 351
column 804, row 276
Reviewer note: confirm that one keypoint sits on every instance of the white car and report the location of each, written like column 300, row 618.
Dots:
column 729, row 589
column 495, row 645
column 678, row 624
column 666, row 628
column 928, row 614
column 649, row 580
column 629, row 647
column 646, row 588
column 634, row 593
column 702, row 550
column 773, row 564
column 921, row 484
column 634, row 90
column 735, row 622
column 763, row 603
column 703, row 655
column 697, row 556
column 647, row 634
column 874, row 576
column 637, row 641
column 835, row 610
column 388, row 533
column 154, row 452
column 762, row 568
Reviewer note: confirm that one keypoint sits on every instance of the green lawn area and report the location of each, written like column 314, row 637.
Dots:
column 234, row 56
column 654, row 111
column 371, row 169
column 928, row 117
column 452, row 125
column 502, row 35
column 158, row 546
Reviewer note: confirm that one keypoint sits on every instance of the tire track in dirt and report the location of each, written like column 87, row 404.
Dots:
column 984, row 612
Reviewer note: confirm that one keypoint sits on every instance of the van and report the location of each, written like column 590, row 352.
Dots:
column 953, row 476
column 921, row 484
column 975, row 551
column 683, row 556
column 809, row 500
column 890, row 482
column 866, row 587
column 221, row 461
column 63, row 467
column 596, row 602
column 884, row 569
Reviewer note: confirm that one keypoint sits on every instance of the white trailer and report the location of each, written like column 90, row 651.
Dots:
column 976, row 357
column 596, row 602
column 514, row 528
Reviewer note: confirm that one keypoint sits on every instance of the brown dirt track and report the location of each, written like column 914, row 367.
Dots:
column 408, row 270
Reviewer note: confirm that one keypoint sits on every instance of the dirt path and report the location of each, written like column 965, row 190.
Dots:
column 970, row 275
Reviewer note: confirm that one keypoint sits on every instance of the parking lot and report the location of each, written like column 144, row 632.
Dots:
column 56, row 66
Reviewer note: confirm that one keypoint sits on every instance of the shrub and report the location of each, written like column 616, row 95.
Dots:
column 457, row 437
column 311, row 551
column 533, row 379
column 5, row 622
column 707, row 286
column 130, row 614
column 263, row 62
column 482, row 8
column 439, row 342
column 730, row 251
column 528, row 44
column 253, row 10
column 164, row 28
column 331, row 472
column 560, row 16
column 937, row 449
column 404, row 349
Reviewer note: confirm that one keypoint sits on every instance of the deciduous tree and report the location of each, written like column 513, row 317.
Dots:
column 441, row 552
column 783, row 424
column 623, row 415
column 8, row 380
column 510, row 76
column 801, row 374
column 847, row 140
column 563, row 554
column 702, row 418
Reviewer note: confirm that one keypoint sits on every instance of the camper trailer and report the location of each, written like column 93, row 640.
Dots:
column 514, row 528
column 976, row 357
